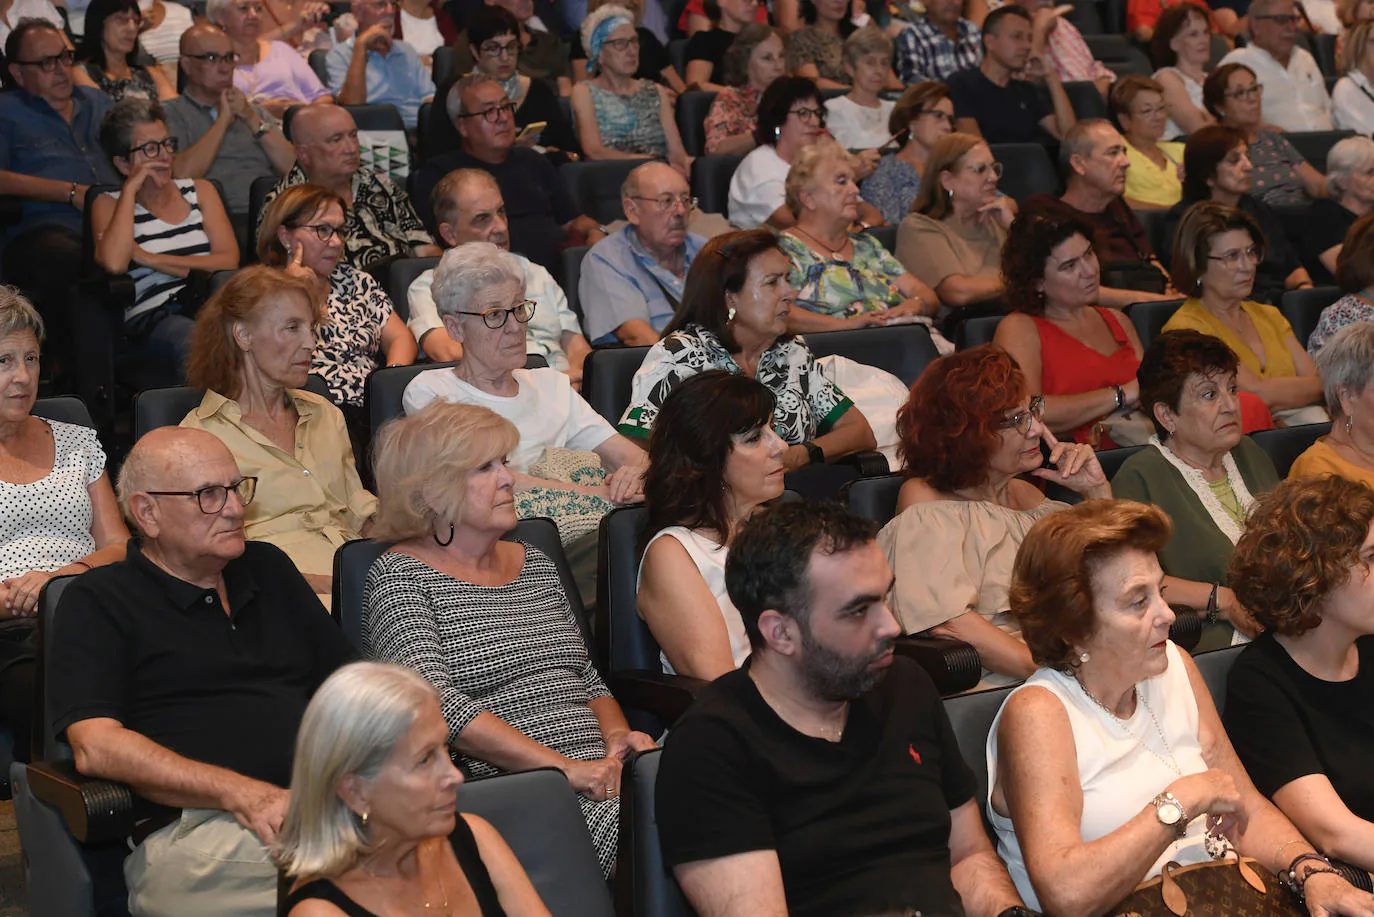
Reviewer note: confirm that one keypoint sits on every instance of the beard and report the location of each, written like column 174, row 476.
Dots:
column 836, row 677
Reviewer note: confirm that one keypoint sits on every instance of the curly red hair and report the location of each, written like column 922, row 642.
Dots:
column 950, row 424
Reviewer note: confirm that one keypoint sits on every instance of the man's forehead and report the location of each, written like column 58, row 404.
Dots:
column 838, row 577
column 484, row 94
column 43, row 42
column 663, row 180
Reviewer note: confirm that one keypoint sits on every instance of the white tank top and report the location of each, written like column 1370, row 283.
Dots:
column 710, row 560
column 1119, row 775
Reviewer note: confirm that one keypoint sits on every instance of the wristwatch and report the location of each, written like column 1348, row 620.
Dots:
column 1170, row 813
column 1120, row 396
column 262, row 130
column 1019, row 911
column 815, row 452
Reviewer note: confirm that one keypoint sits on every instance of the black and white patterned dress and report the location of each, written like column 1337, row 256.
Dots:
column 350, row 338
column 513, row 651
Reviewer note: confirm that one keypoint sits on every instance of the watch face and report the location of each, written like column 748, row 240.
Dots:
column 1169, row 813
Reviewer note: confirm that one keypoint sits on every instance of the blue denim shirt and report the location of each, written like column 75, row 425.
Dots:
column 399, row 79
column 35, row 140
column 618, row 284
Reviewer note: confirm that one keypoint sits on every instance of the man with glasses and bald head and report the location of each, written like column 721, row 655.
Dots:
column 184, row 671
column 1295, row 97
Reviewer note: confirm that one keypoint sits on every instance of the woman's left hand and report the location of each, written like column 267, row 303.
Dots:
column 626, row 484
column 1075, row 466
column 1328, row 895
column 1000, row 209
column 622, row 744
column 24, row 592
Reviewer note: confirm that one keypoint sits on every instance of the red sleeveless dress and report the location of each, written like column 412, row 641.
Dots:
column 1070, row 367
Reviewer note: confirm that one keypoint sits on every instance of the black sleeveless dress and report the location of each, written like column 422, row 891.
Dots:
column 464, row 848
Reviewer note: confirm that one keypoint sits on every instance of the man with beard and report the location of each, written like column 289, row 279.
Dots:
column 823, row 777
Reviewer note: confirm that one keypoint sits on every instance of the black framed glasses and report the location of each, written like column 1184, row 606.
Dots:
column 212, row 497
column 509, row 49
column 809, row 115
column 1021, row 421
column 497, row 318
column 49, row 64
column 149, row 149
column 323, row 231
column 668, row 201
column 1281, row 19
column 215, row 57
column 492, row 114
column 620, row 44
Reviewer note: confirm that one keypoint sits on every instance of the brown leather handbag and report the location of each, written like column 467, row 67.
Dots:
column 1222, row 888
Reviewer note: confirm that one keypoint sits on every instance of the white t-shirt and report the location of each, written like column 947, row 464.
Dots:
column 1194, row 90
column 546, row 410
column 164, row 42
column 710, row 560
column 857, row 127
column 1352, row 103
column 422, row 34
column 1295, row 96
column 757, row 188
column 28, row 9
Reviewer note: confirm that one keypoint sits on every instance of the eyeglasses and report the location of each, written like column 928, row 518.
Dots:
column 509, row 49
column 150, row 149
column 982, row 169
column 323, row 231
column 49, row 64
column 1233, row 258
column 215, row 57
column 810, row 115
column 1281, row 19
column 1249, row 92
column 1151, row 111
column 666, row 203
column 212, row 498
column 620, row 44
column 492, row 114
column 1021, row 421
column 937, row 115
column 496, row 318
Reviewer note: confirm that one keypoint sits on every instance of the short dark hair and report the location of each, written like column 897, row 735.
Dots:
column 995, row 18
column 769, row 561
column 1033, row 236
column 1207, row 148
column 1355, row 263
column 1202, row 222
column 777, row 100
column 1168, row 362
column 719, row 268
column 92, row 47
column 117, row 130
column 489, row 21
column 1214, row 87
column 14, row 44
column 1172, row 21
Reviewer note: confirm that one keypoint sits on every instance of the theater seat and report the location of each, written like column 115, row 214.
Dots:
column 1150, row 318
column 711, row 181
column 971, row 715
column 1303, row 309
column 571, row 259
column 400, row 274
column 1315, row 145
column 1027, row 170
column 66, row 409
column 692, row 108
column 163, row 407
column 607, row 378
column 886, row 236
column 874, row 498
column 1215, row 666
column 903, row 350
column 977, row 331
column 595, row 186
column 1283, row 445
column 644, row 886
column 385, row 390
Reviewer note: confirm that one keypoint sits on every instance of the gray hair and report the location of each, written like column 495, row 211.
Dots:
column 865, row 41
column 18, row 314
column 1079, row 142
column 453, row 102
column 1346, row 363
column 117, row 130
column 467, row 270
column 1350, row 154
column 351, row 727
column 214, row 10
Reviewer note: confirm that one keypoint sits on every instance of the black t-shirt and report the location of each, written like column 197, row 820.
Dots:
column 158, row 654
column 860, row 826
column 653, row 57
column 1287, row 724
column 1326, row 225
column 710, row 45
column 1005, row 114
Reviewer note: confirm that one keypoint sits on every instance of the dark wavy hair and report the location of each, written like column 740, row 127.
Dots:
column 719, row 268
column 1168, row 362
column 1033, row 236
column 1207, row 148
column 777, row 100
column 1302, row 541
column 690, row 444
column 950, row 424
column 92, row 47
column 488, row 22
column 1172, row 21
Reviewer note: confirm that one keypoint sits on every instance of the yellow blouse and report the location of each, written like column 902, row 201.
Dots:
column 1148, row 183
column 307, row 503
column 1320, row 459
column 1274, row 332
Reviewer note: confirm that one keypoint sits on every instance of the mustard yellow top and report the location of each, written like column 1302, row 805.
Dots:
column 1320, row 459
column 1148, row 183
column 1274, row 332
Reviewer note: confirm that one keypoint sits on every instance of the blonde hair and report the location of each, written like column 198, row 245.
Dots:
column 1356, row 41
column 423, row 460
column 865, row 41
column 18, row 314
column 806, row 164
column 294, row 204
column 944, row 156
column 351, row 727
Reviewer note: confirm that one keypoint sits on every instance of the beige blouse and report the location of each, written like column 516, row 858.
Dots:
column 934, row 249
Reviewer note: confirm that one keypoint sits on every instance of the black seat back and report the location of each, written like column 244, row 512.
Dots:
column 1303, row 309
column 711, row 181
column 643, row 884
column 444, row 67
column 1120, row 56
column 46, row 744
column 1085, row 99
column 571, row 259
column 626, row 641
column 1027, row 170
column 1215, row 667
column 1315, row 145
column 66, row 408
column 1150, row 318
column 886, row 236
column 903, row 350
column 386, row 388
column 874, row 498
column 977, row 331
column 1284, row 444
column 400, row 274
column 971, row 715
column 692, row 108
column 608, row 378
column 257, row 194
column 163, row 407
column 595, row 186
column 318, row 61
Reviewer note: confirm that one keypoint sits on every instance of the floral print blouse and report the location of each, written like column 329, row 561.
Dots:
column 892, row 188
column 868, row 283
column 735, row 111
column 1349, row 309
column 350, row 336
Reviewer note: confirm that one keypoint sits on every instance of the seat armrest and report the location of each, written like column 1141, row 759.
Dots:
column 952, row 664
column 870, row 464
column 665, row 696
column 94, row 810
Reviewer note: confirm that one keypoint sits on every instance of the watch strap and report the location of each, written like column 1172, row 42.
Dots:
column 1180, row 828
column 815, row 452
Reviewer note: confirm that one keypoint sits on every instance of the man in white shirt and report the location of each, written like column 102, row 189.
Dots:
column 1295, row 97
column 468, row 207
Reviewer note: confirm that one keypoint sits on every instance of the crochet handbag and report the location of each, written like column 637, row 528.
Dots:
column 1221, row 888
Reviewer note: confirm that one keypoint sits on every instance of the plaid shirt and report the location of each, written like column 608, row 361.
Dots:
column 1068, row 53
column 925, row 53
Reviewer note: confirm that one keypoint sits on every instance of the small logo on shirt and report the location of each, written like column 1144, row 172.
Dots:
column 915, row 755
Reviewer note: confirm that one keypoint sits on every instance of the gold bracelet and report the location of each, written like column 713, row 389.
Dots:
column 1282, row 847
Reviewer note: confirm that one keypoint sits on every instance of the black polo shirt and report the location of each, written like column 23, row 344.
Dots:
column 133, row 643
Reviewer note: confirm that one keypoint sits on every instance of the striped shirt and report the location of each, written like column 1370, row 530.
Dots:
column 188, row 238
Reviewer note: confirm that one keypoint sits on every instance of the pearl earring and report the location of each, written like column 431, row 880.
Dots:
column 1083, row 656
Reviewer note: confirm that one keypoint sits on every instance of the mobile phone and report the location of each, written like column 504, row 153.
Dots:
column 533, row 129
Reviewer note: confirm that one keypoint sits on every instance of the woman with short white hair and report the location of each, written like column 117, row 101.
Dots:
column 1346, row 364
column 1350, row 184
column 372, row 827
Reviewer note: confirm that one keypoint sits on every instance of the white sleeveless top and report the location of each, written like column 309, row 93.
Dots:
column 710, row 560
column 1119, row 775
column 1194, row 88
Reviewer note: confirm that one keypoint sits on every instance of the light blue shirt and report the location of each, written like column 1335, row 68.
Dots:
column 400, row 78
column 621, row 281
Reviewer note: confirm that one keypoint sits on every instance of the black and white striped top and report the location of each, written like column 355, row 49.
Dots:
column 187, row 238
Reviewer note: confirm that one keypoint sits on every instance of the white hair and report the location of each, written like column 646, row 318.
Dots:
column 1346, row 362
column 467, row 270
column 1345, row 157
column 214, row 11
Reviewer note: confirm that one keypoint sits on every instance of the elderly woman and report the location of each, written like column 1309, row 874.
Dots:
column 1181, row 48
column 1345, row 364
column 251, row 353
column 1350, row 180
column 754, row 61
column 1154, row 180
column 843, row 279
column 1282, row 178
column 1355, row 275
column 1199, row 469
column 734, row 316
column 714, row 460
column 616, row 115
column 969, row 430
column 59, row 518
column 272, row 74
column 791, row 117
column 953, row 238
column 372, row 825
column 654, row 64
column 858, row 119
column 1296, row 698
column 484, row 620
column 159, row 229
column 816, row 51
column 1111, row 760
column 109, row 54
column 921, row 117
column 1217, row 251
column 1351, row 105
column 1082, row 357
column 1217, row 167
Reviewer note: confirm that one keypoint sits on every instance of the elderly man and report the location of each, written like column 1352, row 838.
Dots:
column 220, row 134
column 373, row 68
column 540, row 209
column 468, row 207
column 184, row 671
column 939, row 44
column 632, row 280
column 823, row 776
column 1295, row 97
column 381, row 221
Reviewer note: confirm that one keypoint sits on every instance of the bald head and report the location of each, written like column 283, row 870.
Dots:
column 206, row 79
column 326, row 140
column 166, row 459
column 651, row 176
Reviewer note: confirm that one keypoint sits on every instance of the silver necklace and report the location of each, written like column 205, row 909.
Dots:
column 1170, row 762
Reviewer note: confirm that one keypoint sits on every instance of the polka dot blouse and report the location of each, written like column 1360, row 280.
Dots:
column 47, row 524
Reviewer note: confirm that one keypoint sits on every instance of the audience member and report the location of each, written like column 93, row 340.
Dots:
column 426, row 26
column 1351, row 105
column 542, row 54
column 714, row 461
column 271, row 74
column 109, row 54
column 992, row 103
column 734, row 317
column 1350, row 184
column 1063, row 47
column 1201, row 471
column 374, row 68
column 251, row 355
column 1154, row 180
column 752, row 62
column 708, row 47
column 939, row 44
column 1351, row 13
column 1294, row 698
column 184, row 671
column 1087, row 593
column 15, row 13
column 380, row 219
column 220, row 134
column 632, row 281
column 748, row 784
column 162, row 27
column 1345, row 363
column 299, row 23
column 1181, row 49
column 921, row 117
column 1145, row 18
column 968, row 431
column 791, row 117
column 654, row 64
column 468, row 207
column 858, row 119
column 1294, row 90
column 373, row 821
column 60, row 516
column 1355, row 275
column 515, row 682
column 816, row 51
